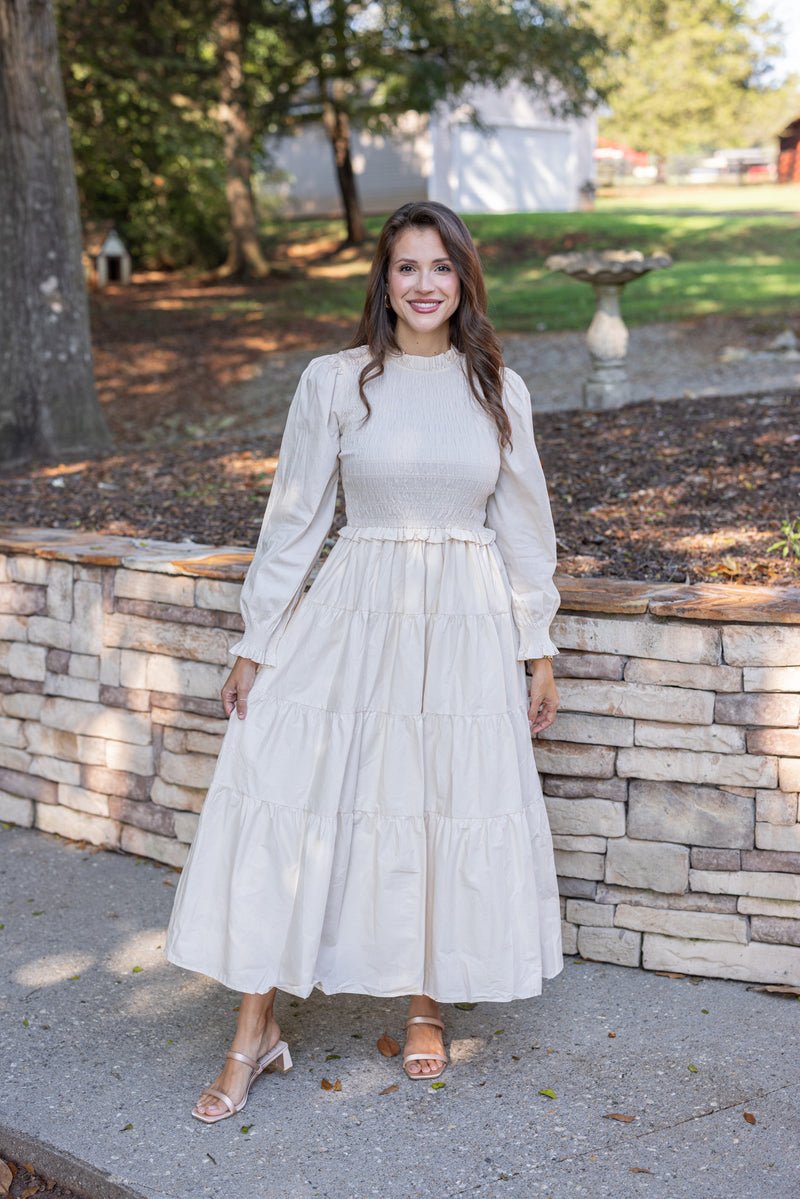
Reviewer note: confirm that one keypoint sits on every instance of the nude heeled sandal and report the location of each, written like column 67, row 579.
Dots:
column 279, row 1055
column 425, row 1057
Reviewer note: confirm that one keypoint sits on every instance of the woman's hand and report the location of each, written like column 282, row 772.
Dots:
column 236, row 687
column 544, row 696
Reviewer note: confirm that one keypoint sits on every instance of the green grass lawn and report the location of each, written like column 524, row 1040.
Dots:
column 743, row 264
column 716, row 197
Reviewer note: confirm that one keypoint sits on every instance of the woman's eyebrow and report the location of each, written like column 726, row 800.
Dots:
column 414, row 261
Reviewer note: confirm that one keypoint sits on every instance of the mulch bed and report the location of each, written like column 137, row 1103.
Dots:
column 26, row 1182
column 686, row 491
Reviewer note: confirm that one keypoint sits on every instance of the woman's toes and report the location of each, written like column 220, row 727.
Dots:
column 208, row 1106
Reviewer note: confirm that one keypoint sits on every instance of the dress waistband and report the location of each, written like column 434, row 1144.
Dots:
column 436, row 534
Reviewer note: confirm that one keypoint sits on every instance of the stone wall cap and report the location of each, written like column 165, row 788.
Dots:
column 605, row 595
column 725, row 603
column 730, row 603
column 134, row 553
column 721, row 602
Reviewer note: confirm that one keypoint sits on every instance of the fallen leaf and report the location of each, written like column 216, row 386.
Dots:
column 31, row 1190
column 612, row 1034
column 127, row 1128
column 388, row 1046
column 325, row 1085
column 246, row 1128
column 73, row 978
column 693, row 1069
column 337, row 1086
column 137, row 970
column 778, row 989
column 6, row 1177
column 465, row 1007
column 333, row 1057
column 167, row 883
column 619, row 1116
column 514, row 1057
column 546, row 1091
column 668, row 974
column 390, row 1090
column 499, row 1032
column 437, row 1086
column 749, row 1117
column 639, row 1170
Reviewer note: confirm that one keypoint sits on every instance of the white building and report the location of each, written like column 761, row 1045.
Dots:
column 522, row 159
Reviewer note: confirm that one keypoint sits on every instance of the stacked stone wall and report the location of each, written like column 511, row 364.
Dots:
column 671, row 775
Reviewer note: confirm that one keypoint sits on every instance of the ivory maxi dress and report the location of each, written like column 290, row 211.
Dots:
column 376, row 824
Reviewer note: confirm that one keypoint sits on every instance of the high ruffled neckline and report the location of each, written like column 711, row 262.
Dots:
column 421, row 362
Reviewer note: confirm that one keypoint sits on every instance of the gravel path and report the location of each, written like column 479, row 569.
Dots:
column 713, row 357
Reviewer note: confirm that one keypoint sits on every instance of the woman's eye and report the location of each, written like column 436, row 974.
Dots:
column 444, row 267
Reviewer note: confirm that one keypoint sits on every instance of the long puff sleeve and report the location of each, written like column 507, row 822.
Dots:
column 519, row 513
column 298, row 516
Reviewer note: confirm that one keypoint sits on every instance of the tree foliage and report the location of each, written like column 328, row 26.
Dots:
column 685, row 75
column 140, row 84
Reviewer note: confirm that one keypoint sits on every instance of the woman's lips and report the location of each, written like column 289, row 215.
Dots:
column 424, row 305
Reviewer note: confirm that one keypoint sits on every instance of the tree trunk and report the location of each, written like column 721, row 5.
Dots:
column 244, row 250
column 48, row 398
column 337, row 127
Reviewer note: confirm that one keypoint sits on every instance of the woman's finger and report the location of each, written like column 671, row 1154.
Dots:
column 543, row 718
column 543, row 708
column 236, row 688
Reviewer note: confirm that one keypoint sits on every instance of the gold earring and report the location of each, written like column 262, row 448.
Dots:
column 386, row 302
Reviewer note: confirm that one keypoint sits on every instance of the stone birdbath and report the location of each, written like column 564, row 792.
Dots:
column 607, row 338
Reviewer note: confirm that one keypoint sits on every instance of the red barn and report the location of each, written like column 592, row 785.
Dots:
column 789, row 153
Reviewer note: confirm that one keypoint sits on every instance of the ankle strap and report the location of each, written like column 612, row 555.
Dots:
column 242, row 1057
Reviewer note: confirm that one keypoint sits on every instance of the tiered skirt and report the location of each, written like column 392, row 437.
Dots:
column 376, row 824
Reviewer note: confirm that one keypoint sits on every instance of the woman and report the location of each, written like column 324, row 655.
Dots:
column 375, row 823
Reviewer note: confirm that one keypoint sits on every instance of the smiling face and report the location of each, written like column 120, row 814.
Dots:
column 424, row 291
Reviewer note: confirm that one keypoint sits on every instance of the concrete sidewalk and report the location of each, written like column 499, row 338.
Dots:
column 105, row 1048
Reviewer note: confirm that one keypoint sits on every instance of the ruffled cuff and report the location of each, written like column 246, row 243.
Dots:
column 534, row 633
column 535, row 644
column 249, row 647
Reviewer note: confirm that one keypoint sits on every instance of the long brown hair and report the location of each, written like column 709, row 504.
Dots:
column 471, row 331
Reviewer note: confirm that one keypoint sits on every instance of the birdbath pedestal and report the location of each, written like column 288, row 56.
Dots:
column 607, row 338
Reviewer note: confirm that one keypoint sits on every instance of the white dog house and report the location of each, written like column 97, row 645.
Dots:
column 521, row 159
column 106, row 259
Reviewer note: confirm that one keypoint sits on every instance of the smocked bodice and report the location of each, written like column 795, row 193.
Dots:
column 428, row 456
